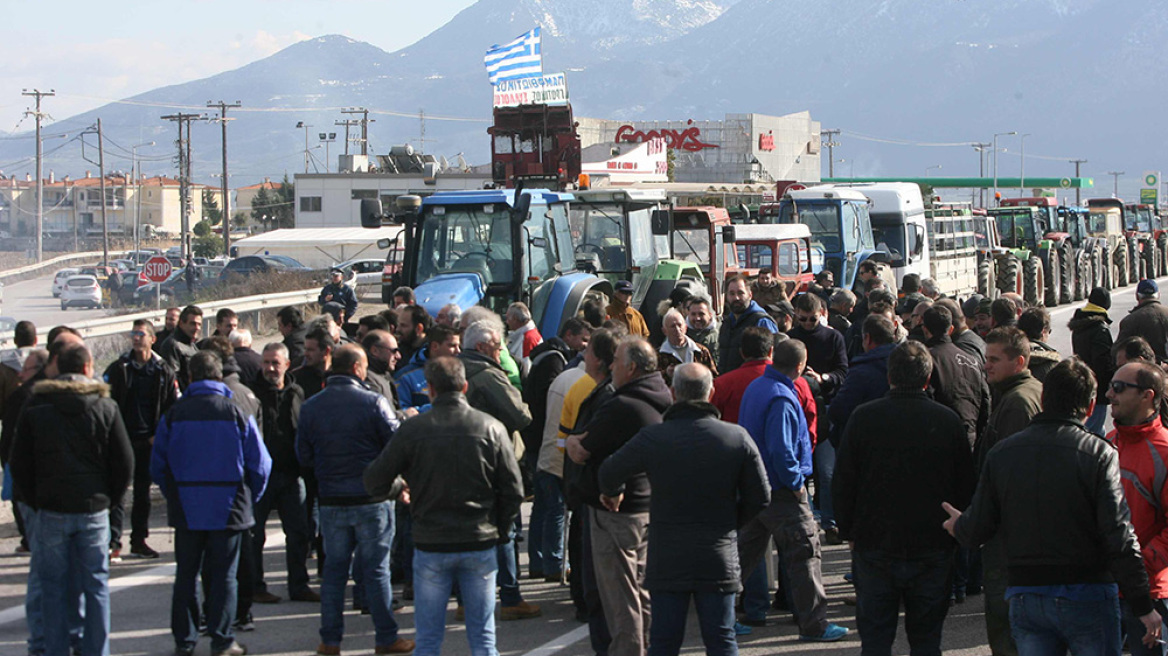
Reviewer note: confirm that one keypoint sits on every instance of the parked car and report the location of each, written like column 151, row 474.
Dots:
column 173, row 289
column 128, row 292
column 361, row 271
column 81, row 290
column 123, row 264
column 249, row 264
column 60, row 278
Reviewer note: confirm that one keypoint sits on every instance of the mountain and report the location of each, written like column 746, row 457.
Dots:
column 1079, row 76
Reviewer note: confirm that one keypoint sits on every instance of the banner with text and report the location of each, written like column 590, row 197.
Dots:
column 543, row 90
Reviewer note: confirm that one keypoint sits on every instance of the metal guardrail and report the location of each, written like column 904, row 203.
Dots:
column 35, row 268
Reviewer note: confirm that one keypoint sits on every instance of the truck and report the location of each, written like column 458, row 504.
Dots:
column 951, row 250
column 489, row 247
column 1144, row 232
column 703, row 237
column 534, row 145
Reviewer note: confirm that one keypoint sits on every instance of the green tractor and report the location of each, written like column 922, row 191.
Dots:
column 1021, row 231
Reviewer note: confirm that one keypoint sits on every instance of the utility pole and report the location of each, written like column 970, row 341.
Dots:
column 348, row 123
column 1115, row 182
column 422, row 130
column 223, row 107
column 135, row 164
column 1078, row 189
column 104, row 200
column 184, row 174
column 831, row 144
column 364, row 121
column 981, row 148
column 302, row 124
column 40, row 188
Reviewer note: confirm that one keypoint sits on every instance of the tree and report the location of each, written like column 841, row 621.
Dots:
column 211, row 211
column 284, row 204
column 239, row 221
column 261, row 205
column 202, row 228
column 209, row 245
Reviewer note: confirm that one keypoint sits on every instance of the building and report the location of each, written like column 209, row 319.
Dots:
column 742, row 148
column 333, row 200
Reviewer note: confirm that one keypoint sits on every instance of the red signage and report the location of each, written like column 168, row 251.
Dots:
column 688, row 139
column 157, row 269
column 766, row 141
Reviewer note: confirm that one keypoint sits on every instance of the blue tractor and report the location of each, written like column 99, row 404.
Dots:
column 488, row 247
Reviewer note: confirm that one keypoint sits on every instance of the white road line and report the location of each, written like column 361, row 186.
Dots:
column 568, row 639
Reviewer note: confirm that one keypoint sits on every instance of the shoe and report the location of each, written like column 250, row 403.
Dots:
column 554, row 577
column 234, row 649
column 408, row 591
column 831, row 535
column 246, row 624
column 850, row 577
column 850, row 600
column 115, row 555
column 753, row 622
column 143, row 550
column 307, row 594
column 581, row 616
column 22, row 548
column 328, row 650
column 399, row 646
column 396, row 604
column 832, row 633
column 184, row 651
column 460, row 614
column 741, row 629
column 266, row 597
column 534, row 575
column 522, row 611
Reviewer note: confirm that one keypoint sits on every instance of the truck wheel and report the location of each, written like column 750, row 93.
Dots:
column 1009, row 275
column 1121, row 269
column 985, row 278
column 1033, row 281
column 1053, row 280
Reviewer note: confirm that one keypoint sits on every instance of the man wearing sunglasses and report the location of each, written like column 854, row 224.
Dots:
column 1135, row 394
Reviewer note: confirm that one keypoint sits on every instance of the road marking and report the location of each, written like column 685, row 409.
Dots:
column 568, row 639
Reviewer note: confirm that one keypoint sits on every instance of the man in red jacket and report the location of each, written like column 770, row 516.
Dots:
column 1135, row 394
column 757, row 345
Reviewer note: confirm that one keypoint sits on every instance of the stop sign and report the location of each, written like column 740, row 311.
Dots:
column 157, row 269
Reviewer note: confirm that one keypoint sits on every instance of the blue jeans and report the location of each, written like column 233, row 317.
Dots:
column 1095, row 422
column 215, row 555
column 284, row 494
column 1045, row 625
column 32, row 597
column 545, row 535
column 824, row 473
column 756, row 594
column 715, row 616
column 74, row 547
column 1134, row 629
column 434, row 574
column 368, row 530
column 921, row 580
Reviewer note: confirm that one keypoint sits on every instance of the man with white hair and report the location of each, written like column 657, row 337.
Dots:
column 522, row 337
column 1149, row 320
column 479, row 313
column 678, row 348
column 251, row 364
column 449, row 315
column 929, row 289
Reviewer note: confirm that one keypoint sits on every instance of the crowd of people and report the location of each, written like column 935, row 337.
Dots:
column 946, row 443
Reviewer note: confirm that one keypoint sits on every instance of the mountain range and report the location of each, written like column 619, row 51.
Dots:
column 910, row 82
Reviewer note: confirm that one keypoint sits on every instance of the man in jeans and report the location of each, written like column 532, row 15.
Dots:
column 71, row 461
column 343, row 429
column 460, row 512
column 211, row 464
column 144, row 387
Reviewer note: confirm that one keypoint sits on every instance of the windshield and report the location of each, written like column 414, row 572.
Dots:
column 1140, row 220
column 692, row 245
column 600, row 229
column 468, row 240
column 891, row 239
column 1015, row 229
column 1097, row 220
column 824, row 221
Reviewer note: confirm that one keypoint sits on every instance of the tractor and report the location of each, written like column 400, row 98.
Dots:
column 1063, row 245
column 1105, row 225
column 1022, row 229
column 1143, row 228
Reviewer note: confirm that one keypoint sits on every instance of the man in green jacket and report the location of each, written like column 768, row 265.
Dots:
column 1017, row 397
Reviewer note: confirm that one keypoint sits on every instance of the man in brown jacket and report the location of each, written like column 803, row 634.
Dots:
column 621, row 311
column 1149, row 319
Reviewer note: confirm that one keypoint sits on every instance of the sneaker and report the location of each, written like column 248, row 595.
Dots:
column 307, row 594
column 521, row 611
column 115, row 555
column 266, row 597
column 328, row 650
column 832, row 633
column 234, row 649
column 143, row 550
column 399, row 646
column 831, row 535
column 246, row 624
column 741, row 629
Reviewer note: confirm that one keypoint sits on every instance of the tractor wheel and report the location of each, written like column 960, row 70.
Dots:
column 1133, row 261
column 1162, row 242
column 1053, row 280
column 1150, row 257
column 1009, row 275
column 1066, row 257
column 1121, row 269
column 985, row 277
column 1083, row 277
column 1103, row 262
column 1033, row 281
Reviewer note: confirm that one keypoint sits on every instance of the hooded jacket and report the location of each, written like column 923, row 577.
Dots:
column 209, row 461
column 959, row 383
column 1150, row 321
column 162, row 391
column 632, row 406
column 71, row 453
column 867, row 381
column 730, row 334
column 281, row 412
column 412, row 390
column 548, row 361
column 1091, row 341
column 489, row 390
column 1043, row 358
column 1143, row 452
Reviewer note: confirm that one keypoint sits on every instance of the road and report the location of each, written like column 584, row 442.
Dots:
column 33, row 300
column 141, row 589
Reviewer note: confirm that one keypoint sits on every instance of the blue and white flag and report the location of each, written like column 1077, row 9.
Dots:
column 518, row 59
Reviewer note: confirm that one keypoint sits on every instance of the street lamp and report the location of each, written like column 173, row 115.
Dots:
column 1022, row 173
column 327, row 139
column 935, row 166
column 302, row 124
column 996, row 135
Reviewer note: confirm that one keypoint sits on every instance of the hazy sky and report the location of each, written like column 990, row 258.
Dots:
column 92, row 52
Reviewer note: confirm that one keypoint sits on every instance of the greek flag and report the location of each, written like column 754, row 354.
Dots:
column 518, row 59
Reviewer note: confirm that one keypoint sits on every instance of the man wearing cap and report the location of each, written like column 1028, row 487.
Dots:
column 983, row 321
column 1091, row 342
column 1149, row 319
column 340, row 293
column 620, row 311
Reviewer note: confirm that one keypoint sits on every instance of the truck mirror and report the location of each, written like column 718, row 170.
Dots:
column 539, row 242
column 386, row 243
column 522, row 207
column 729, row 236
column 370, row 213
column 661, row 222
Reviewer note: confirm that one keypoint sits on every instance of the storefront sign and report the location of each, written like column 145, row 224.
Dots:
column 766, row 141
column 688, row 139
column 544, row 90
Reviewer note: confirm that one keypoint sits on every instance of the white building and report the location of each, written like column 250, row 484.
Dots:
column 333, row 200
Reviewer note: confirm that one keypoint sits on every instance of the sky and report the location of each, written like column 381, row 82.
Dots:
column 91, row 53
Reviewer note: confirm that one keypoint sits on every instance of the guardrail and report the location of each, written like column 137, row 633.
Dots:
column 20, row 272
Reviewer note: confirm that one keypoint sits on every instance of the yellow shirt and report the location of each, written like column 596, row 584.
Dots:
column 572, row 401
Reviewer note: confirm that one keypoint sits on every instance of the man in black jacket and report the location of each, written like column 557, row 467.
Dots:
column 281, row 398
column 144, row 387
column 1091, row 342
column 693, row 537
column 889, row 486
column 290, row 322
column 169, row 323
column 618, row 526
column 250, row 363
column 71, row 461
column 1070, row 546
column 180, row 346
column 957, row 381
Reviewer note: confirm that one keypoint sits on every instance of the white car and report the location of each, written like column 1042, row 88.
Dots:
column 59, row 280
column 81, row 290
column 361, row 272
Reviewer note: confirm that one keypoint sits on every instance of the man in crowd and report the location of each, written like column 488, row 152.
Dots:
column 1071, row 546
column 620, row 310
column 757, row 344
column 413, row 322
column 702, row 325
column 742, row 313
column 338, row 293
column 459, row 512
column 618, row 526
column 404, row 296
column 318, row 348
column 251, row 364
column 770, row 412
column 211, row 464
column 840, row 307
column 226, row 320
column 767, row 290
column 449, row 316
column 338, row 447
column 144, row 387
column 412, row 392
column 957, row 381
column 983, row 321
column 867, row 378
column 382, row 352
column 963, row 338
column 369, row 323
column 1091, row 342
column 72, row 461
column 1148, row 319
column 290, row 322
column 865, row 275
column 889, row 486
column 178, row 349
column 168, row 326
column 12, row 360
column 1035, row 323
column 280, row 399
column 692, row 529
column 679, row 348
column 1004, row 312
column 522, row 335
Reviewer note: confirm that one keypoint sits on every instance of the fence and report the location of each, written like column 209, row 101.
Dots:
column 32, row 270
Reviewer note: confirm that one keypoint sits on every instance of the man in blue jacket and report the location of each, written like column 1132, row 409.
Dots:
column 212, row 466
column 341, row 294
column 343, row 429
column 770, row 412
column 741, row 313
column 867, row 378
column 412, row 390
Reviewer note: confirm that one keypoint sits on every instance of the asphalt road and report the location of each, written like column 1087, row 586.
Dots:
column 33, row 300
